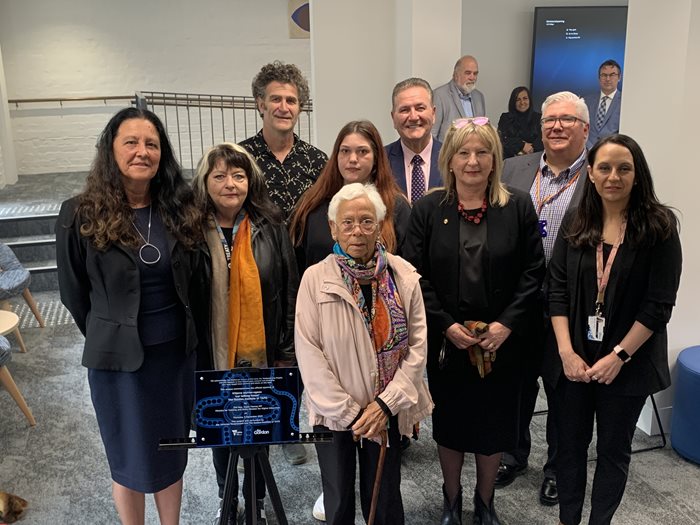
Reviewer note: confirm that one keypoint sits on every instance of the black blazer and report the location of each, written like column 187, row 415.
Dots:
column 102, row 291
column 515, row 256
column 642, row 287
column 515, row 132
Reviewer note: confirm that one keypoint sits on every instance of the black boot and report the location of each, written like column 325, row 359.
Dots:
column 452, row 514
column 483, row 514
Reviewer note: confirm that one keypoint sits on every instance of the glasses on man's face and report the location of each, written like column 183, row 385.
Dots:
column 367, row 226
column 567, row 121
column 477, row 121
column 606, row 76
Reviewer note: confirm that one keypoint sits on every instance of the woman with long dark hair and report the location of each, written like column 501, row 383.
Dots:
column 614, row 274
column 132, row 272
column 520, row 128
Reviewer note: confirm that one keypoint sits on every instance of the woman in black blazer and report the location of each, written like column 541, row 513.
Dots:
column 132, row 272
column 614, row 274
column 520, row 128
column 478, row 249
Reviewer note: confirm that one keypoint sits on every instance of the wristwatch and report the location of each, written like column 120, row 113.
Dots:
column 620, row 352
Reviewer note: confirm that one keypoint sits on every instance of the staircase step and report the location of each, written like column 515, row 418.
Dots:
column 33, row 247
column 26, row 225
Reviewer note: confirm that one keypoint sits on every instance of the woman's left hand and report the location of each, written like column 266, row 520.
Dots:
column 605, row 370
column 372, row 421
column 494, row 337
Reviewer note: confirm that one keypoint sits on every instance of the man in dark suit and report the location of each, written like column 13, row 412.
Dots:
column 555, row 180
column 459, row 98
column 414, row 157
column 604, row 107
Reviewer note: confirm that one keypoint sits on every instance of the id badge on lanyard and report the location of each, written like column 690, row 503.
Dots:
column 596, row 323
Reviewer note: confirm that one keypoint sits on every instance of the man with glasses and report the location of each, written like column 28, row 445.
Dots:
column 555, row 180
column 604, row 107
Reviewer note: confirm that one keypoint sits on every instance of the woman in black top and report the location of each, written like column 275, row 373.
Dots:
column 132, row 273
column 358, row 156
column 520, row 128
column 614, row 274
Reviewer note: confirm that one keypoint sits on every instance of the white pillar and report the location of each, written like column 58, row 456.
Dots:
column 360, row 49
column 660, row 110
column 8, row 163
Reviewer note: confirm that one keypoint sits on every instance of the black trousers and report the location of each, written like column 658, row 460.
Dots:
column 220, row 456
column 615, row 417
column 337, row 461
column 519, row 456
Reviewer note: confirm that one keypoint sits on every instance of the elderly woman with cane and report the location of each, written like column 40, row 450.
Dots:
column 360, row 340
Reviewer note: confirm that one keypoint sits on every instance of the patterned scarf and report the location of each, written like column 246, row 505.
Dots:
column 386, row 319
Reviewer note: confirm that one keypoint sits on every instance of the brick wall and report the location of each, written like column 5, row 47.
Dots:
column 85, row 48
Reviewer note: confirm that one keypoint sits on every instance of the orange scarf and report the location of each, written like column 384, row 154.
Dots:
column 246, row 329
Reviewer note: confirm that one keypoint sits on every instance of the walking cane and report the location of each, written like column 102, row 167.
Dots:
column 378, row 478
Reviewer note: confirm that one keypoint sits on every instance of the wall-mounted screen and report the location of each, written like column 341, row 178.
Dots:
column 569, row 43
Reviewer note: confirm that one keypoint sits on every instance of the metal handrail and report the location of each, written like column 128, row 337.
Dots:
column 61, row 100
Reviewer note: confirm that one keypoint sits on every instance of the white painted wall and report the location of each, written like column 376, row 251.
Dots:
column 88, row 48
column 667, row 130
column 8, row 167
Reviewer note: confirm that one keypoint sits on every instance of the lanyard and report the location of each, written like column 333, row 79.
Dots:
column 603, row 274
column 542, row 202
column 222, row 238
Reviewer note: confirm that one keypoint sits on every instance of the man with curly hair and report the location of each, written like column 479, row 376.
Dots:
column 290, row 165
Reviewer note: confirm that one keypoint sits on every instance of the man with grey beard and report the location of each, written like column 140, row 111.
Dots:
column 459, row 98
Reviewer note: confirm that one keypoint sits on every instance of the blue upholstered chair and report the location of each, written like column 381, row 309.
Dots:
column 7, row 381
column 14, row 280
column 685, row 423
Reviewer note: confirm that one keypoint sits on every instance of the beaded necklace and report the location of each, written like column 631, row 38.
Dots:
column 477, row 217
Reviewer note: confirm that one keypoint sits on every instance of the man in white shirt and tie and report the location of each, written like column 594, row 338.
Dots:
column 414, row 157
column 604, row 107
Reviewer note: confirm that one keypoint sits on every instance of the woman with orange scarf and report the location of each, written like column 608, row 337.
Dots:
column 254, row 277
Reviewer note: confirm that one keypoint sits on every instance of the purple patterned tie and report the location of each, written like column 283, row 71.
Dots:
column 417, row 179
column 600, row 116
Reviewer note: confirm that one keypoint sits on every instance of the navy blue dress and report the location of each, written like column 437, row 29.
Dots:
column 136, row 409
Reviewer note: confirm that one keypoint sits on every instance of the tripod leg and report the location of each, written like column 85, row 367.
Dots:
column 264, row 463
column 251, row 502
column 228, row 487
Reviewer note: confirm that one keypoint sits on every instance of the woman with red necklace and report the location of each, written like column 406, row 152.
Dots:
column 477, row 247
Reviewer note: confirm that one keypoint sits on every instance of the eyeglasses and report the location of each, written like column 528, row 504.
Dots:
column 367, row 226
column 608, row 75
column 567, row 121
column 462, row 122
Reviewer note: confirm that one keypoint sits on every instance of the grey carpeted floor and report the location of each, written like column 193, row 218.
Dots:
column 59, row 465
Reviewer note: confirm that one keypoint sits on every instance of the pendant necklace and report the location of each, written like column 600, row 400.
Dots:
column 147, row 242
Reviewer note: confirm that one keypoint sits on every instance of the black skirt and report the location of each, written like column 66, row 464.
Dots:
column 136, row 409
column 472, row 414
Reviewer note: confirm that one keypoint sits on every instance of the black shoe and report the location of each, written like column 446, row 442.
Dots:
column 405, row 443
column 507, row 474
column 484, row 514
column 549, row 495
column 451, row 513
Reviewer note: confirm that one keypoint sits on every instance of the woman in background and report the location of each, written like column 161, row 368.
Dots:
column 132, row 272
column 614, row 273
column 254, row 280
column 520, row 128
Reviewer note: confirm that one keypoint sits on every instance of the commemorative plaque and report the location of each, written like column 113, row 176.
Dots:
column 247, row 406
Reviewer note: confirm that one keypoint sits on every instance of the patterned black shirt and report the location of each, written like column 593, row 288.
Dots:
column 288, row 180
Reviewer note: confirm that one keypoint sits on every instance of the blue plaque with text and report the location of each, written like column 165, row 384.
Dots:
column 247, row 406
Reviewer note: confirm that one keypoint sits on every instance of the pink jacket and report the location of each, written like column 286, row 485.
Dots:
column 336, row 357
